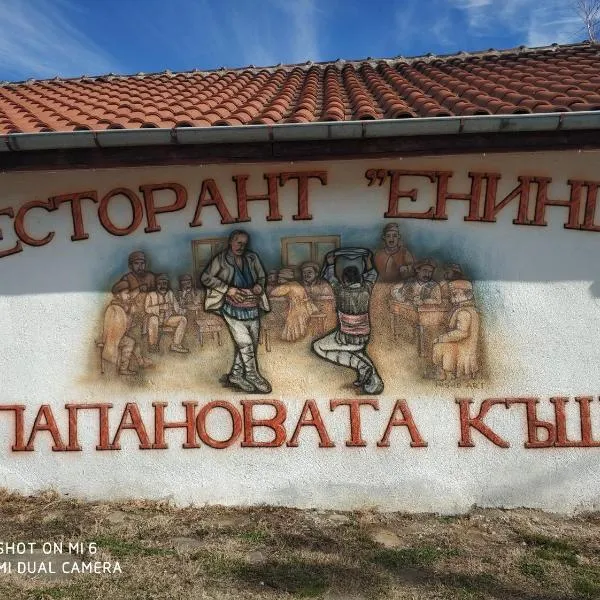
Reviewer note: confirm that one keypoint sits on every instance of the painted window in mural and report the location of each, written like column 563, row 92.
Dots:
column 203, row 251
column 297, row 250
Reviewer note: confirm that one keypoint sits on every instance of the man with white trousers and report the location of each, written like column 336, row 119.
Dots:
column 235, row 288
column 347, row 344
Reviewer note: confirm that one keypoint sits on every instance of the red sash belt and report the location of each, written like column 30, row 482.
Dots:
column 354, row 324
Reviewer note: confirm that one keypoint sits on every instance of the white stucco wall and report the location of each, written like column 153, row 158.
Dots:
column 536, row 288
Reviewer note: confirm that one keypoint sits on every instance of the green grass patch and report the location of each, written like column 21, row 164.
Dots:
column 473, row 586
column 297, row 577
column 254, row 536
column 121, row 548
column 549, row 548
column 448, row 519
column 586, row 584
column 62, row 592
column 567, row 558
column 419, row 556
column 294, row 575
column 543, row 541
column 216, row 564
column 533, row 570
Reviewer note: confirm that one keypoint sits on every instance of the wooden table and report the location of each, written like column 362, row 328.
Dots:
column 426, row 322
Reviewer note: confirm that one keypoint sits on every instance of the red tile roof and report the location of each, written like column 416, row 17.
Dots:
column 522, row 80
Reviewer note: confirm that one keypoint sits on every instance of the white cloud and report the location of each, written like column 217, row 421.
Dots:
column 253, row 37
column 37, row 40
column 404, row 28
column 470, row 4
column 538, row 23
column 304, row 20
column 259, row 33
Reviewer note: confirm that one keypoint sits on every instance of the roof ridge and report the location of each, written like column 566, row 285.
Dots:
column 308, row 64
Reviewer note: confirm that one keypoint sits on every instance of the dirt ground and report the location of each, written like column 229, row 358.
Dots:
column 266, row 553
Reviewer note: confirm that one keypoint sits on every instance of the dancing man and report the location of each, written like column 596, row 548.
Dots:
column 235, row 284
column 347, row 344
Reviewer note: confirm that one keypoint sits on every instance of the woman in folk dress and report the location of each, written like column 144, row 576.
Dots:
column 300, row 307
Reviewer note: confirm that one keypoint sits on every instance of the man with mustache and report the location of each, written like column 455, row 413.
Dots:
column 163, row 310
column 235, row 288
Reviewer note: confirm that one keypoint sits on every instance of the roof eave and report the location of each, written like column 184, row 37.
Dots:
column 289, row 132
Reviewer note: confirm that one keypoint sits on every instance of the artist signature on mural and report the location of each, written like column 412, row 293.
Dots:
column 457, row 383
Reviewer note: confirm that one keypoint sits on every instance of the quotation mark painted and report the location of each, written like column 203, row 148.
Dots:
column 376, row 176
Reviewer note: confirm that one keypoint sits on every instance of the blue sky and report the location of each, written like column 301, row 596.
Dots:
column 46, row 38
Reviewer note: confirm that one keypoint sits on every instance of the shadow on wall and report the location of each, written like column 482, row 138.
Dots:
column 488, row 252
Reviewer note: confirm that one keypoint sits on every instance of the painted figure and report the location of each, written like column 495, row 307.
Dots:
column 318, row 289
column 452, row 272
column 393, row 262
column 420, row 289
column 300, row 307
column 187, row 296
column 235, row 283
column 321, row 295
column 191, row 301
column 163, row 310
column 347, row 344
column 139, row 283
column 118, row 345
column 272, row 280
column 455, row 352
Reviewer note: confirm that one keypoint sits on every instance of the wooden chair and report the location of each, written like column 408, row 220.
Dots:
column 401, row 315
column 209, row 326
column 273, row 322
column 264, row 337
column 100, row 346
column 432, row 318
column 317, row 323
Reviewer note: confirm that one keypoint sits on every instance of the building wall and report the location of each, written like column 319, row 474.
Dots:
column 533, row 379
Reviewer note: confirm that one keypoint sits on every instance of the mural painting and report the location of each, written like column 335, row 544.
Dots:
column 324, row 306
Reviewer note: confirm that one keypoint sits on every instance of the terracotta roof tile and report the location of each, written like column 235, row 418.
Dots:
column 519, row 80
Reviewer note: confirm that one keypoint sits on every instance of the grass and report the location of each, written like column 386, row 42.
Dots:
column 119, row 548
column 301, row 578
column 254, row 536
column 473, row 584
column 586, row 584
column 448, row 519
column 268, row 553
column 65, row 592
column 549, row 548
column 420, row 556
column 215, row 564
column 532, row 569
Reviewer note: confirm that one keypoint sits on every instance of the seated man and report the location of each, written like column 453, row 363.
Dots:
column 189, row 299
column 320, row 293
column 139, row 282
column 272, row 281
column 118, row 345
column 452, row 272
column 421, row 289
column 455, row 352
column 318, row 289
column 163, row 310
